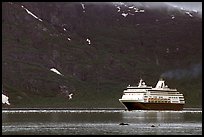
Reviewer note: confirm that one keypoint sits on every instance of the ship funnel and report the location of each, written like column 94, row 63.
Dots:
column 160, row 84
column 140, row 83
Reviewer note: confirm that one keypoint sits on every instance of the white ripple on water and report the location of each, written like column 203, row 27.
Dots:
column 61, row 111
column 95, row 111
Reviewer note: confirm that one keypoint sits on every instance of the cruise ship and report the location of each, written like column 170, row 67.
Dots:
column 143, row 97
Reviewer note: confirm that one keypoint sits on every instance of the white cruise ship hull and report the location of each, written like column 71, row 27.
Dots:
column 152, row 106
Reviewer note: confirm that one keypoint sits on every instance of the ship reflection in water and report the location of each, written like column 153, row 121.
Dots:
column 141, row 116
column 101, row 122
column 184, row 122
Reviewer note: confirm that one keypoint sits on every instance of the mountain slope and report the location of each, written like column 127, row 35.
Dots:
column 99, row 49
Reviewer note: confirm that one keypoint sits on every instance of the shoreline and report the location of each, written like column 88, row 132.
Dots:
column 184, row 109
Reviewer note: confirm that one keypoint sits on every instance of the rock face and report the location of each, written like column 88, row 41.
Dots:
column 39, row 36
column 123, row 124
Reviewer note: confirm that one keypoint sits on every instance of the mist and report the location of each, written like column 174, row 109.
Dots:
column 191, row 6
column 187, row 5
column 191, row 72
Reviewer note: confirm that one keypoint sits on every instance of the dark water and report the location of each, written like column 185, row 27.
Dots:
column 101, row 122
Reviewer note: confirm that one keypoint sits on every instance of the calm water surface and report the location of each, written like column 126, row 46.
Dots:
column 101, row 122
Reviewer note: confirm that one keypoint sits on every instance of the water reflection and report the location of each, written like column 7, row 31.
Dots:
column 70, row 117
column 101, row 122
column 153, row 116
column 165, row 122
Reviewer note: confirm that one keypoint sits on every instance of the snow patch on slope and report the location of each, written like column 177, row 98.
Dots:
column 31, row 13
column 5, row 99
column 55, row 71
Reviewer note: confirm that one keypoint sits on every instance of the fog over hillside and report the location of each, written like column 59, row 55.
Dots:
column 192, row 6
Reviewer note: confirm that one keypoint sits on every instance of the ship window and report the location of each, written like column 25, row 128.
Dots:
column 174, row 101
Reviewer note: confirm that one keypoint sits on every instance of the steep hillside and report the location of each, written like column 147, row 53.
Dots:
column 99, row 48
